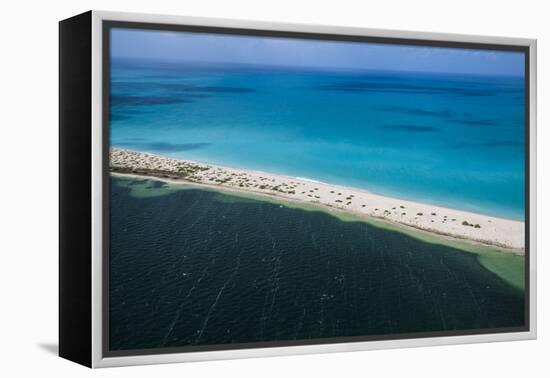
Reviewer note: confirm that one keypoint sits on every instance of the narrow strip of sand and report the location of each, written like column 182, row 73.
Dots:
column 479, row 228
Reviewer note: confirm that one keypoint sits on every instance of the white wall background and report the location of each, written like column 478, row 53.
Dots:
column 28, row 187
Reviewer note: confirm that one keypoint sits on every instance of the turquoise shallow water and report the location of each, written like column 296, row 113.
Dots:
column 451, row 140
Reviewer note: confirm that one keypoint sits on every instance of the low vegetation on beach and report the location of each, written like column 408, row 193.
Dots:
column 477, row 228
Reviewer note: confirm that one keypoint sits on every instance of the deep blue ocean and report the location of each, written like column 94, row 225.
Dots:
column 451, row 140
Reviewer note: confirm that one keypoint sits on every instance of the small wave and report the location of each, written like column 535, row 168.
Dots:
column 309, row 180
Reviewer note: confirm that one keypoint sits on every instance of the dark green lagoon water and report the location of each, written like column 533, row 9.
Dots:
column 194, row 267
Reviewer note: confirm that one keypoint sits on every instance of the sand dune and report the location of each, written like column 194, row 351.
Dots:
column 470, row 226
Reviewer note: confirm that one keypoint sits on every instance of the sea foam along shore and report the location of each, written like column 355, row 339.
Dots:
column 478, row 228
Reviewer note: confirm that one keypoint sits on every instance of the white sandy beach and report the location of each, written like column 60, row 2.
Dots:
column 459, row 224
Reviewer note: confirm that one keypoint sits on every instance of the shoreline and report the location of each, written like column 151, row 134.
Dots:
column 459, row 225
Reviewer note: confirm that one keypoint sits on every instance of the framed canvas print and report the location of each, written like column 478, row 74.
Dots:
column 237, row 189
